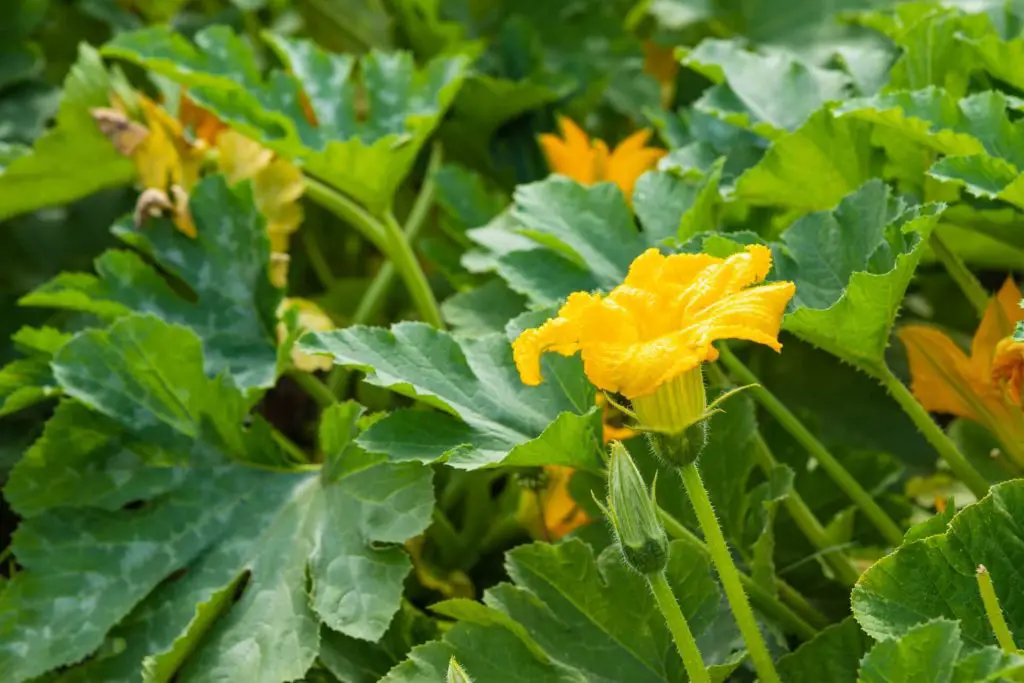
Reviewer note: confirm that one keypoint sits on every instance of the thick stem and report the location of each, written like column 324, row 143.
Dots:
column 728, row 574
column 408, row 267
column 349, row 211
column 805, row 519
column 961, row 274
column 798, row 624
column 316, row 389
column 994, row 612
column 931, row 431
column 835, row 470
column 676, row 622
column 375, row 296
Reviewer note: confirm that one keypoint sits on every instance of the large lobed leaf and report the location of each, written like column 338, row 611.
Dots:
column 225, row 267
column 305, row 550
column 573, row 617
column 935, row 577
column 364, row 149
column 488, row 416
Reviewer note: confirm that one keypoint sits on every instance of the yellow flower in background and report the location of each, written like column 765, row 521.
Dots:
column 984, row 387
column 574, row 155
column 551, row 512
column 312, row 318
column 647, row 338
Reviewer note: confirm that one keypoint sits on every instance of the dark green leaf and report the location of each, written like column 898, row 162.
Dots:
column 487, row 415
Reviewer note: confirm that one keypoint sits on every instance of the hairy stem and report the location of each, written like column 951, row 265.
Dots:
column 805, row 519
column 728, row 574
column 835, row 470
column 994, row 611
column 947, row 450
column 680, row 630
column 798, row 624
column 961, row 274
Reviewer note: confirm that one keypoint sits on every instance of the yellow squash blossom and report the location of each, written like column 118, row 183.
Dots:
column 648, row 338
column 661, row 63
column 574, row 155
column 984, row 387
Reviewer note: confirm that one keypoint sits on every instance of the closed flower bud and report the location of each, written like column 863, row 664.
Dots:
column 634, row 515
column 456, row 674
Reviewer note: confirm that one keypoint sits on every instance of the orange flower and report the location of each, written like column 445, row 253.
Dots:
column 661, row 63
column 575, row 156
column 985, row 387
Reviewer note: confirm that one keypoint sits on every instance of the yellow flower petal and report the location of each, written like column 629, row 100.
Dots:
column 1008, row 368
column 560, row 335
column 311, row 319
column 574, row 155
column 662, row 321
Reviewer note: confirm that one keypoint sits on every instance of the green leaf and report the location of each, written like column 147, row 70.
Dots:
column 935, row 577
column 933, row 651
column 673, row 209
column 272, row 536
column 488, row 417
column 851, row 267
column 480, row 311
column 366, row 157
column 85, row 460
column 225, row 267
column 591, row 226
column 27, row 381
column 833, row 655
column 813, row 167
column 571, row 617
column 769, row 93
column 73, row 159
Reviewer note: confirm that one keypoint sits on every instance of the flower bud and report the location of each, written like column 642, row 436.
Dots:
column 456, row 674
column 634, row 514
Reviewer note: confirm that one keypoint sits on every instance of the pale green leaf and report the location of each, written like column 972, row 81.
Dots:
column 813, row 167
column 673, row 209
column 936, row 576
column 933, row 651
column 480, row 311
column 73, row 159
column 770, row 93
column 487, row 415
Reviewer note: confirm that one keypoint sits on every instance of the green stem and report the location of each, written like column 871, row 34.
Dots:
column 839, row 474
column 808, row 522
column 408, row 266
column 316, row 259
column 798, row 624
column 994, row 611
column 681, row 634
column 297, row 454
column 728, row 574
column 961, row 274
column 349, row 211
column 931, row 431
column 798, row 509
column 375, row 296
column 316, row 389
